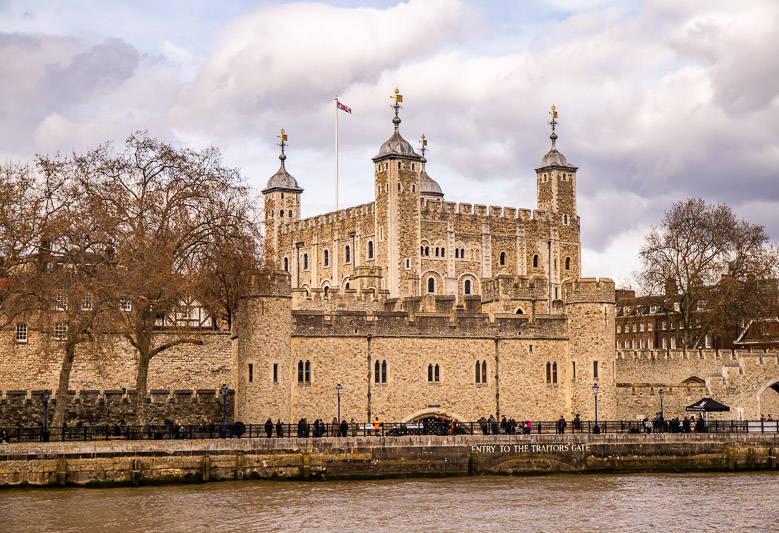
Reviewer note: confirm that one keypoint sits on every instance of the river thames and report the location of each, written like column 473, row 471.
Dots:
column 651, row 502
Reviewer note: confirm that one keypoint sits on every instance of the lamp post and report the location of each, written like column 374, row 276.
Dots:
column 596, row 428
column 46, row 415
column 338, row 393
column 223, row 390
column 662, row 412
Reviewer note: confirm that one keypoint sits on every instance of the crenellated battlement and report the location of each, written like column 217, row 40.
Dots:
column 412, row 323
column 438, row 205
column 321, row 299
column 514, row 287
column 328, row 219
column 275, row 283
column 588, row 290
column 680, row 354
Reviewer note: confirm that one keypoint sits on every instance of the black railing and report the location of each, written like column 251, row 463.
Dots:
column 425, row 427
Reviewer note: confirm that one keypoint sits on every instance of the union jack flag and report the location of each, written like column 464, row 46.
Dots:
column 345, row 108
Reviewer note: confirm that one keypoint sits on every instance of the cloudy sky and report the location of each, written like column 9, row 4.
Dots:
column 659, row 100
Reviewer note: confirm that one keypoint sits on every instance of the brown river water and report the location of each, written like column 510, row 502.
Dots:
column 654, row 502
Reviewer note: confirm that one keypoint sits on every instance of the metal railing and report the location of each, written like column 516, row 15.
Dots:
column 353, row 429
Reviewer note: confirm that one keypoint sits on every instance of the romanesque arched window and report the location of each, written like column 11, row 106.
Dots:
column 300, row 371
column 484, row 371
column 436, row 374
column 384, row 371
column 281, row 213
column 436, row 251
column 443, row 252
column 548, row 372
column 457, row 253
column 370, row 249
column 430, row 372
column 467, row 286
column 462, row 253
column 327, row 258
column 502, row 258
column 427, row 251
column 348, row 254
column 430, row 286
column 307, row 376
column 565, row 219
column 305, row 261
column 290, row 212
column 568, row 263
column 377, row 372
column 327, row 289
column 554, row 372
column 478, row 372
column 535, row 261
column 286, row 264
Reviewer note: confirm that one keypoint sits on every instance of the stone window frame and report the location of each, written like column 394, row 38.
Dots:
column 619, row 328
column 286, row 264
column 250, row 372
column 430, row 285
column 535, row 261
column 304, row 372
column 347, row 255
column 305, row 262
column 567, row 263
column 502, row 258
column 467, row 287
column 60, row 332
column 275, row 377
column 649, row 326
column 20, row 335
column 370, row 251
column 595, row 370
column 325, row 258
column 380, row 372
column 565, row 220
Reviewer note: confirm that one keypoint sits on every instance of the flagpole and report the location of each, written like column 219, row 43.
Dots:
column 336, row 153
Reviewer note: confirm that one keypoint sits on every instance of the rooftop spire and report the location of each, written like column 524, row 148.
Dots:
column 282, row 144
column 553, row 123
column 423, row 150
column 398, row 98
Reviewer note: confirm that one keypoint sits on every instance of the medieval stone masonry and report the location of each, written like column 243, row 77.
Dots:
column 418, row 307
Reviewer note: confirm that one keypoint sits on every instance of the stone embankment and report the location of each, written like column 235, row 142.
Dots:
column 197, row 461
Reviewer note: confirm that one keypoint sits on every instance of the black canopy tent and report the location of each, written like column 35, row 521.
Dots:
column 707, row 405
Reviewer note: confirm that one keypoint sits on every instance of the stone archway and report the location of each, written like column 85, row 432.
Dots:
column 429, row 419
column 431, row 412
column 768, row 399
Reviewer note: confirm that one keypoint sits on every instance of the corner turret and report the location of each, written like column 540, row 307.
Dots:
column 282, row 201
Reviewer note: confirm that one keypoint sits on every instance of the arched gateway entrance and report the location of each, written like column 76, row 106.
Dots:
column 768, row 400
column 435, row 421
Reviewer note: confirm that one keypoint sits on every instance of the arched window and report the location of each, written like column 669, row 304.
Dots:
column 430, row 372
column 484, row 371
column 430, row 286
column 370, row 249
column 555, row 293
column 478, row 372
column 281, row 213
column 348, row 254
column 384, row 371
column 462, row 253
column 347, row 284
column 435, row 377
column 290, row 212
column 327, row 289
column 457, row 253
column 427, row 251
column 300, row 371
column 502, row 258
column 568, row 263
column 286, row 264
column 305, row 261
column 565, row 219
column 398, row 169
column 443, row 252
column 413, row 187
column 554, row 373
column 467, row 285
column 377, row 370
column 308, row 372
column 548, row 372
column 519, row 312
column 436, row 251
column 327, row 258
column 535, row 261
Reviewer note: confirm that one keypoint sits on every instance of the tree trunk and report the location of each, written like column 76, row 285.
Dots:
column 140, row 389
column 61, row 405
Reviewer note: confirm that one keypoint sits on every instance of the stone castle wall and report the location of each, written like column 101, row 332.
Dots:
column 112, row 365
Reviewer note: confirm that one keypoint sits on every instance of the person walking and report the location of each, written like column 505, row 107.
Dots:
column 483, row 425
column 493, row 424
column 561, row 425
column 377, row 427
column 269, row 428
column 577, row 424
column 344, row 428
column 279, row 428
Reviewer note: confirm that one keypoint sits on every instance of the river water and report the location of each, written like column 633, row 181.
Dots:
column 659, row 503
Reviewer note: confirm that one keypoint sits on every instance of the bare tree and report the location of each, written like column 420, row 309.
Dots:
column 165, row 208
column 715, row 269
